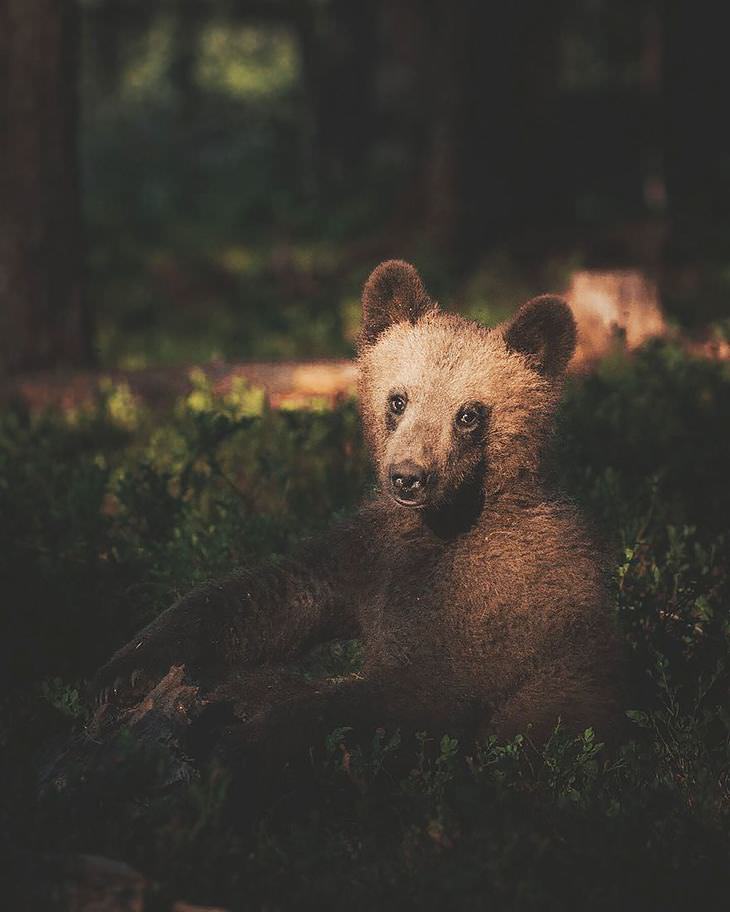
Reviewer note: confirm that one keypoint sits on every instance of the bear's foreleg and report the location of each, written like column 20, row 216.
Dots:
column 272, row 614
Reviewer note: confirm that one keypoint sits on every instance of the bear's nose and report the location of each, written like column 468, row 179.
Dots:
column 408, row 481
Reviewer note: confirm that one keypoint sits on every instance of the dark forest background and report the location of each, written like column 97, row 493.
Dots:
column 190, row 179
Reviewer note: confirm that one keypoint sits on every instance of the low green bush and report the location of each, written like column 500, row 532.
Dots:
column 110, row 512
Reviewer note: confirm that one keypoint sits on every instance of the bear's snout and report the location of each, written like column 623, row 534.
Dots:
column 409, row 483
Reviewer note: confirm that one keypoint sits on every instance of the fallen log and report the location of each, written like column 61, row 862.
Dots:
column 291, row 384
column 619, row 307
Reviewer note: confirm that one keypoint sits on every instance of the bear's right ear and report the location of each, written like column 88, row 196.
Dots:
column 394, row 293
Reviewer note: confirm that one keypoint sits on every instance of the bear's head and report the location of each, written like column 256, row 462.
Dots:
column 451, row 408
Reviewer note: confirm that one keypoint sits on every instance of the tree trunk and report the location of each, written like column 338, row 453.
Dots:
column 339, row 56
column 487, row 83
column 448, row 75
column 695, row 106
column 43, row 321
column 189, row 18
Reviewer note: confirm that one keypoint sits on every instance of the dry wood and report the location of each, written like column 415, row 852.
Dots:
column 611, row 307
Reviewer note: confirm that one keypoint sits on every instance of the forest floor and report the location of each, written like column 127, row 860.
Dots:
column 111, row 509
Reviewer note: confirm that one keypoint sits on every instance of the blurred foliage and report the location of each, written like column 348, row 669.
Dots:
column 205, row 236
column 248, row 62
column 218, row 228
column 111, row 512
column 601, row 46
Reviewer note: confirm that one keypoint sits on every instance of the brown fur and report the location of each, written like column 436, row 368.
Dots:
column 483, row 607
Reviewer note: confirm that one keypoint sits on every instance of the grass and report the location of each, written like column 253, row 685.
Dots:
column 107, row 514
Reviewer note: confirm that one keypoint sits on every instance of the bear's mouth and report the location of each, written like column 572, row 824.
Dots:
column 411, row 484
column 411, row 504
column 448, row 512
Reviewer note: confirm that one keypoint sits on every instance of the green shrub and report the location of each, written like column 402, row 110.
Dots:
column 109, row 513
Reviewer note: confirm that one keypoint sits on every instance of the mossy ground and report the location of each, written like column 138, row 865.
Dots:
column 107, row 514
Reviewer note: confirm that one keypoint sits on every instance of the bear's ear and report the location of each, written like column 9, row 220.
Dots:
column 394, row 293
column 544, row 330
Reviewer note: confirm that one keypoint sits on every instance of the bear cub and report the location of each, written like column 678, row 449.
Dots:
column 477, row 592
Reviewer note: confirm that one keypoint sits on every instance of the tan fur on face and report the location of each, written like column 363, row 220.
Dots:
column 441, row 363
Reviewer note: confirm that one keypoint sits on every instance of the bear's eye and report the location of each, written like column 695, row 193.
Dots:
column 397, row 404
column 469, row 416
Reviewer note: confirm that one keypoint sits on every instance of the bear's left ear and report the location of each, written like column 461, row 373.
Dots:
column 394, row 293
column 544, row 330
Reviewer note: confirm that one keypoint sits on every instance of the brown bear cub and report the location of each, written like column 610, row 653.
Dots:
column 478, row 594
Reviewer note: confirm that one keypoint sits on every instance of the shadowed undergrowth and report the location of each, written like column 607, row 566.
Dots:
column 109, row 513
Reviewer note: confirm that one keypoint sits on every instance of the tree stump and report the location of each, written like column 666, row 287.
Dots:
column 610, row 306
